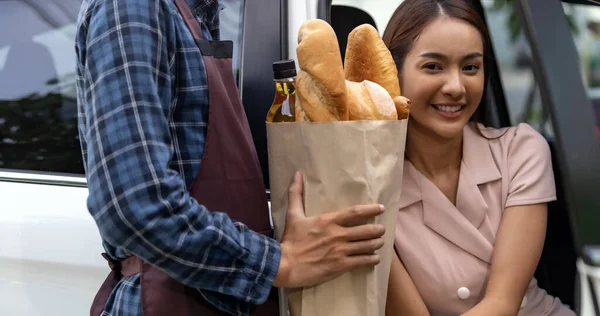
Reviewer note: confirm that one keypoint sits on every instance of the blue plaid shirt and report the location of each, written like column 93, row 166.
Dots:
column 142, row 98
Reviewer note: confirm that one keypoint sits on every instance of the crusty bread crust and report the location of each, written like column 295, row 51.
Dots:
column 369, row 101
column 367, row 58
column 402, row 107
column 365, row 88
column 321, row 87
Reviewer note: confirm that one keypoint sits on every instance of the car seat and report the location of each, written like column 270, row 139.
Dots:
column 344, row 19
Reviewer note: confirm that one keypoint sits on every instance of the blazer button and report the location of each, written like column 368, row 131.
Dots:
column 524, row 301
column 463, row 293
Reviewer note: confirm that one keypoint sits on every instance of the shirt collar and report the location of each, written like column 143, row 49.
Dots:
column 205, row 9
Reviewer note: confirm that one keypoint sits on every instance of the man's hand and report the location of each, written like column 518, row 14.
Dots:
column 317, row 249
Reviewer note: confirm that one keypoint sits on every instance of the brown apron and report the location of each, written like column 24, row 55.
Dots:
column 229, row 180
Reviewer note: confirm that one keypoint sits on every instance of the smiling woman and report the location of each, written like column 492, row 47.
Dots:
column 474, row 198
column 444, row 69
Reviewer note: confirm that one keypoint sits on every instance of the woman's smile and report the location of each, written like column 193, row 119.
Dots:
column 449, row 110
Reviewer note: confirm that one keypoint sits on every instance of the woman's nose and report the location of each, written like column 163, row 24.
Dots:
column 454, row 87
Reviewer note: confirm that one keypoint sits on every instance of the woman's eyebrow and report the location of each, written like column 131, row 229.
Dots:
column 473, row 55
column 436, row 55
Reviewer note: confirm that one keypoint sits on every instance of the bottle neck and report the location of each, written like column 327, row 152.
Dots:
column 290, row 79
column 286, row 86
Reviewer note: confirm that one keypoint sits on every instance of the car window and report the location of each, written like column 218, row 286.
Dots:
column 38, row 110
column 38, row 102
column 380, row 11
column 513, row 57
column 585, row 21
column 232, row 26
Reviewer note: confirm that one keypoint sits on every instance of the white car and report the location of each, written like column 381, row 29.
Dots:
column 50, row 248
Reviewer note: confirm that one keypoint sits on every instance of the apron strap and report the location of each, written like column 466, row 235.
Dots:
column 189, row 18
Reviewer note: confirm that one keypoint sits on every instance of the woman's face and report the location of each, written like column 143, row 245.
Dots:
column 443, row 77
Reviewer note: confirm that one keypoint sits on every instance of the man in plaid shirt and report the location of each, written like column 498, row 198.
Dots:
column 143, row 106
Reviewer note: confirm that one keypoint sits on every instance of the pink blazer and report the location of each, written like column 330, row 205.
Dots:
column 447, row 249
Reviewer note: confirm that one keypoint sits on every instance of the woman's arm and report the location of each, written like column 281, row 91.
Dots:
column 403, row 297
column 517, row 251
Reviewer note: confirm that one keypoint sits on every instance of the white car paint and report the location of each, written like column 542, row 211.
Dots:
column 50, row 261
column 587, row 272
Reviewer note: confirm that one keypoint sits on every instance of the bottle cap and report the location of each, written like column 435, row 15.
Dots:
column 284, row 69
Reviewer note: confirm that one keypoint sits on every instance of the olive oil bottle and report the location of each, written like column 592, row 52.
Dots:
column 283, row 108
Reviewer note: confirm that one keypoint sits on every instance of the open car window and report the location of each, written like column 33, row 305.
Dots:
column 585, row 28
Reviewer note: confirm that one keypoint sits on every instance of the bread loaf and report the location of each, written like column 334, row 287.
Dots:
column 365, row 88
column 321, row 88
column 367, row 58
column 369, row 101
column 402, row 107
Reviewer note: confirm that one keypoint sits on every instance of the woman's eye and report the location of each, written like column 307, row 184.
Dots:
column 432, row 67
column 471, row 68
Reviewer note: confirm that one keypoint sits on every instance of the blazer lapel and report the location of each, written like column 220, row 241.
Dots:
column 411, row 188
column 478, row 169
column 466, row 225
column 444, row 218
column 469, row 200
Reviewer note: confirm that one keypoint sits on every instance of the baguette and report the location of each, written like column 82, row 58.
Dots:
column 402, row 107
column 369, row 101
column 365, row 88
column 367, row 58
column 321, row 88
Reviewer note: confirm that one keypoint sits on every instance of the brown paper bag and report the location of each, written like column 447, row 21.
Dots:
column 344, row 164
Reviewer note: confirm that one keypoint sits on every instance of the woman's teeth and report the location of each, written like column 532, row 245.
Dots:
column 447, row 108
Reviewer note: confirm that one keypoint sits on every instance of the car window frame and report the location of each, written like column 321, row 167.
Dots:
column 33, row 176
column 558, row 74
column 251, row 20
column 264, row 42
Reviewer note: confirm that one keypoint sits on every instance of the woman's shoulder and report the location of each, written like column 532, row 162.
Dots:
column 514, row 138
column 522, row 155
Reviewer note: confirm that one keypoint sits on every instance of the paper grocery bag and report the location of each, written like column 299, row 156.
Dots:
column 344, row 164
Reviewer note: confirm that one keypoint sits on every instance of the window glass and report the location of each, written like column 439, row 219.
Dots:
column 38, row 103
column 38, row 111
column 232, row 25
column 513, row 57
column 585, row 28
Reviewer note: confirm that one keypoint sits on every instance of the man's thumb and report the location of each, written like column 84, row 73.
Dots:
column 295, row 205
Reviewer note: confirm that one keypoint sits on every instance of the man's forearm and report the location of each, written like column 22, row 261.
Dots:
column 199, row 248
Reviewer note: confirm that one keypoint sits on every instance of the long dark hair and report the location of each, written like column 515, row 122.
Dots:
column 412, row 16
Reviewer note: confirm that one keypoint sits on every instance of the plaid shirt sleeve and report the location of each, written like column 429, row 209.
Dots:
column 139, row 204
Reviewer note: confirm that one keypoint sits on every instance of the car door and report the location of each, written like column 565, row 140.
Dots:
column 564, row 37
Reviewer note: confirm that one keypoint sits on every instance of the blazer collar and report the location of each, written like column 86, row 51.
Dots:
column 478, row 163
column 466, row 224
column 477, row 154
